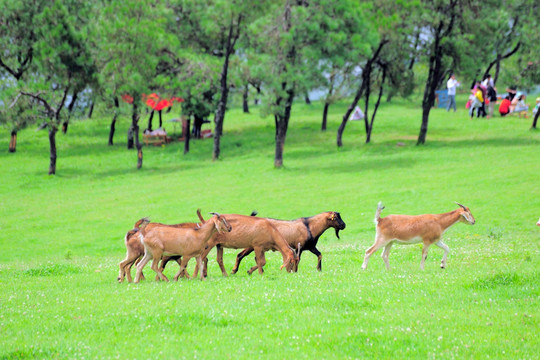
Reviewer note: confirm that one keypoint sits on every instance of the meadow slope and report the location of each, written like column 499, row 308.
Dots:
column 61, row 239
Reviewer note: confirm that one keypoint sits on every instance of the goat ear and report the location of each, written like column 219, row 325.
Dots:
column 463, row 207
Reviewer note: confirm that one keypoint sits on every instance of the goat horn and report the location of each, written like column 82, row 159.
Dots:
column 464, row 208
column 215, row 213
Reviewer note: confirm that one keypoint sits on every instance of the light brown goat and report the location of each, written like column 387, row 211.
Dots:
column 135, row 249
column 251, row 232
column 188, row 243
column 301, row 234
column 406, row 229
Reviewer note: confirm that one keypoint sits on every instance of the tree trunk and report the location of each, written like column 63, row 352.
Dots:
column 366, row 105
column 13, row 141
column 160, row 120
column 52, row 149
column 113, row 123
column 222, row 104
column 220, row 112
column 307, row 99
column 245, row 99
column 282, row 124
column 325, row 115
column 186, row 138
column 149, row 128
column 197, row 124
column 91, row 110
column 535, row 120
column 256, row 101
column 366, row 75
column 70, row 110
column 428, row 101
column 368, row 135
column 135, row 127
column 434, row 76
column 130, row 140
column 111, row 131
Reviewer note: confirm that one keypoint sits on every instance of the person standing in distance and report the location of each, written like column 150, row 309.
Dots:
column 452, row 84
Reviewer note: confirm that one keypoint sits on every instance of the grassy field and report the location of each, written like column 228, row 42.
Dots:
column 61, row 239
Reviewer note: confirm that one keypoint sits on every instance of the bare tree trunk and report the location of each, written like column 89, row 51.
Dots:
column 434, row 75
column 135, row 127
column 197, row 124
column 282, row 124
column 187, row 136
column 160, row 120
column 220, row 113
column 149, row 128
column 366, row 107
column 70, row 110
column 366, row 75
column 113, row 123
column 256, row 101
column 13, row 141
column 307, row 99
column 535, row 120
column 245, row 99
column 91, row 110
column 325, row 115
column 222, row 104
column 52, row 149
column 368, row 135
column 130, row 139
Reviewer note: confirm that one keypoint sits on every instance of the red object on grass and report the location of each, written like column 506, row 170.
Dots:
column 127, row 98
column 154, row 101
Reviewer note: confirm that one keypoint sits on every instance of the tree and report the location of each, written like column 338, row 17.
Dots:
column 439, row 19
column 16, row 114
column 290, row 39
column 62, row 61
column 367, row 70
column 134, row 38
column 335, row 60
column 17, row 41
column 214, row 27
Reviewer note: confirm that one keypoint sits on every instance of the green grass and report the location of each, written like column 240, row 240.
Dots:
column 61, row 239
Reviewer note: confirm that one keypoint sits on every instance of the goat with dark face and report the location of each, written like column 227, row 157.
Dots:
column 302, row 234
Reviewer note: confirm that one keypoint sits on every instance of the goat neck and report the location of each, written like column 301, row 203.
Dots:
column 317, row 224
column 448, row 219
column 209, row 228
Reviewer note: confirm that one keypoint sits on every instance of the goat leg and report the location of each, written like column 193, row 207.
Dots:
column 239, row 258
column 319, row 256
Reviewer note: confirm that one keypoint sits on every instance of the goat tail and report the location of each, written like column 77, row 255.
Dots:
column 380, row 208
column 142, row 227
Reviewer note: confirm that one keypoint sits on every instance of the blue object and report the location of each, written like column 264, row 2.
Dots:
column 442, row 95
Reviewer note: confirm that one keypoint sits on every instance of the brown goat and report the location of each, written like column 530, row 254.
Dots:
column 406, row 229
column 188, row 243
column 301, row 234
column 251, row 232
column 135, row 249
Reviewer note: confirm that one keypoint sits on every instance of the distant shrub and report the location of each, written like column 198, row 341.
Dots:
column 53, row 269
column 503, row 279
column 495, row 233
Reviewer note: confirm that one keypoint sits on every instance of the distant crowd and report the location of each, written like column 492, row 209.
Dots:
column 484, row 98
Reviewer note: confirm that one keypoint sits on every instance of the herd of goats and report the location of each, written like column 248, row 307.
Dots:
column 181, row 242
